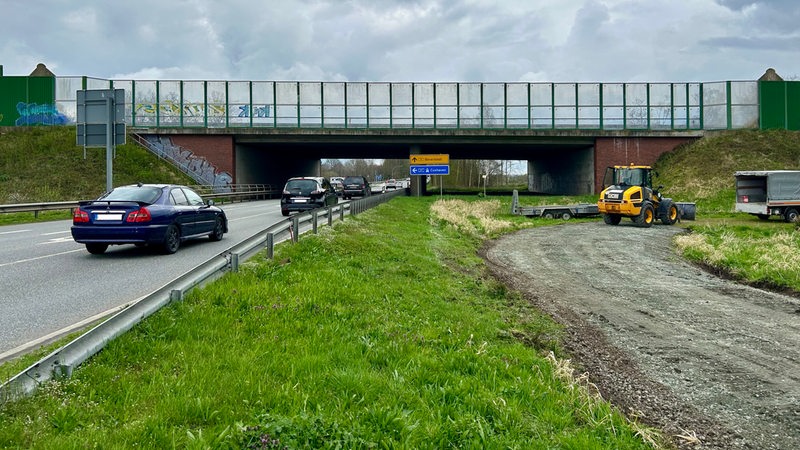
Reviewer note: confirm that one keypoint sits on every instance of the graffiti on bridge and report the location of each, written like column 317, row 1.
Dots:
column 172, row 108
column 197, row 167
column 33, row 114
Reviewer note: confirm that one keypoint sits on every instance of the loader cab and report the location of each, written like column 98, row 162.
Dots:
column 623, row 176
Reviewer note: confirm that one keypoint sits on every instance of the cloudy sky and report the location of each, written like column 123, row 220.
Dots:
column 403, row 40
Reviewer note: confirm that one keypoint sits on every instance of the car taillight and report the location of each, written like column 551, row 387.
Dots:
column 317, row 192
column 80, row 216
column 140, row 215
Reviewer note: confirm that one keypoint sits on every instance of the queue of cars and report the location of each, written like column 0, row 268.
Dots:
column 164, row 215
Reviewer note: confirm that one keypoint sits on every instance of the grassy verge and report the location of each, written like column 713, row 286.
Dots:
column 764, row 254
column 382, row 332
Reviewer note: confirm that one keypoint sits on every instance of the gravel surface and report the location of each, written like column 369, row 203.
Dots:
column 682, row 350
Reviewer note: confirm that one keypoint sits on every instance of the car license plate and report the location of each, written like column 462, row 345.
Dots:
column 300, row 200
column 101, row 217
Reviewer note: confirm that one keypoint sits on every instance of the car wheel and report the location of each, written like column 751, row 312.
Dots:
column 219, row 230
column 284, row 212
column 172, row 240
column 96, row 249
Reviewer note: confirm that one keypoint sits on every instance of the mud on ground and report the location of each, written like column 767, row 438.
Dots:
column 680, row 349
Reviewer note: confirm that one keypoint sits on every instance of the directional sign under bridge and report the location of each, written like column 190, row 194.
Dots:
column 430, row 170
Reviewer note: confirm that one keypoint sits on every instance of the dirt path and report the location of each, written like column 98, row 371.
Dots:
column 685, row 351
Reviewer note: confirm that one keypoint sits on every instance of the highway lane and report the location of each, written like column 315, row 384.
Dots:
column 50, row 284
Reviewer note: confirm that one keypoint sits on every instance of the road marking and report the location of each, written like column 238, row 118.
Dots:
column 38, row 258
column 12, row 232
column 57, row 240
column 56, row 232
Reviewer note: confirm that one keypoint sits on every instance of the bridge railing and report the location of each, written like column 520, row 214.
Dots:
column 518, row 105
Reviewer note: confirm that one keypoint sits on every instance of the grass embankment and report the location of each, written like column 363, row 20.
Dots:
column 382, row 332
column 43, row 164
column 736, row 244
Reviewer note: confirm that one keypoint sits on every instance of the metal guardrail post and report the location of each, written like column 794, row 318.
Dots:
column 314, row 221
column 295, row 230
column 330, row 215
column 270, row 244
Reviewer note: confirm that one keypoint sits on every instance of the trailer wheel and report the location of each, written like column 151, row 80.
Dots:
column 566, row 215
column 791, row 215
column 612, row 219
column 548, row 215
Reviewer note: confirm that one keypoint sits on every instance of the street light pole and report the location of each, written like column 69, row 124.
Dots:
column 485, row 176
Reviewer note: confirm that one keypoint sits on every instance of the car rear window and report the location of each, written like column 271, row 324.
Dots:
column 304, row 186
column 354, row 180
column 145, row 194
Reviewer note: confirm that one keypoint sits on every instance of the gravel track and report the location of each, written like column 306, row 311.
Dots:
column 682, row 350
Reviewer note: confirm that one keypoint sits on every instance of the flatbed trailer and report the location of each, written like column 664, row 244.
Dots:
column 565, row 212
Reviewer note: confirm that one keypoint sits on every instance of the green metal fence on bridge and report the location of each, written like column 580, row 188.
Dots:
column 383, row 105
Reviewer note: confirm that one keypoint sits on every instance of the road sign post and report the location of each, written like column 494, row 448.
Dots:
column 101, row 122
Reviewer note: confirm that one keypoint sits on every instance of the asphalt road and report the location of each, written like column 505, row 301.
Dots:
column 49, row 284
column 713, row 363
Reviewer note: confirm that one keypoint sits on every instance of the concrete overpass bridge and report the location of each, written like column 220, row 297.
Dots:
column 267, row 131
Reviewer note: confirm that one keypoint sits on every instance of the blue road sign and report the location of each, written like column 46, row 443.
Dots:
column 430, row 170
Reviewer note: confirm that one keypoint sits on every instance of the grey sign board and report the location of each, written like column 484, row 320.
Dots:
column 98, row 108
column 94, row 134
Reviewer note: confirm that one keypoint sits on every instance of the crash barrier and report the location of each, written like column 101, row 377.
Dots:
column 63, row 361
column 232, row 192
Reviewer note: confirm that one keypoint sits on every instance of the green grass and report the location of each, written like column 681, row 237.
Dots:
column 382, row 332
column 43, row 164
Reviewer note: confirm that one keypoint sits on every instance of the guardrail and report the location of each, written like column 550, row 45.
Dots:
column 233, row 192
column 63, row 361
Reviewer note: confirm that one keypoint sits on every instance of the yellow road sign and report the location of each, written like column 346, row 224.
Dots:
column 429, row 159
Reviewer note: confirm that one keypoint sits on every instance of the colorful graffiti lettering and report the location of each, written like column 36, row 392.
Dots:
column 172, row 108
column 33, row 114
column 260, row 111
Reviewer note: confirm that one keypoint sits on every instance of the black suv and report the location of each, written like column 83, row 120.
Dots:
column 304, row 193
column 356, row 186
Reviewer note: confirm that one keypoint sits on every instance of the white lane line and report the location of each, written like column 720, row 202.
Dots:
column 57, row 232
column 39, row 257
column 16, row 231
column 57, row 240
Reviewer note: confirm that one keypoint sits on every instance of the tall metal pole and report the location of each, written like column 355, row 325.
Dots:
column 109, row 142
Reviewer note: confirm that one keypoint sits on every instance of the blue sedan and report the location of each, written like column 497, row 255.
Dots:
column 161, row 215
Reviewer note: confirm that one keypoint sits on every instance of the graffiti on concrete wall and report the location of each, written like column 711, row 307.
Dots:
column 199, row 168
column 33, row 114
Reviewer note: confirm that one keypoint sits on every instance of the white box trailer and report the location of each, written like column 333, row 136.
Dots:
column 766, row 193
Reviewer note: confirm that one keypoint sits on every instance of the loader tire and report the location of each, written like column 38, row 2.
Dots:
column 670, row 216
column 612, row 219
column 646, row 217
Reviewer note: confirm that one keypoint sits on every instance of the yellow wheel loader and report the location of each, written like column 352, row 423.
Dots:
column 628, row 192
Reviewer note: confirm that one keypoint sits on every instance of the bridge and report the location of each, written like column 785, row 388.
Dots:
column 263, row 132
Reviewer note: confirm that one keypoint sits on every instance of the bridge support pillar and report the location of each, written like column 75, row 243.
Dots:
column 419, row 183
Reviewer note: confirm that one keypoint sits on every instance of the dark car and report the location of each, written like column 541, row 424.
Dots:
column 356, row 186
column 304, row 193
column 162, row 215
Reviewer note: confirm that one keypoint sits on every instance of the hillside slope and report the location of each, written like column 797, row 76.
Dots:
column 43, row 164
column 702, row 172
